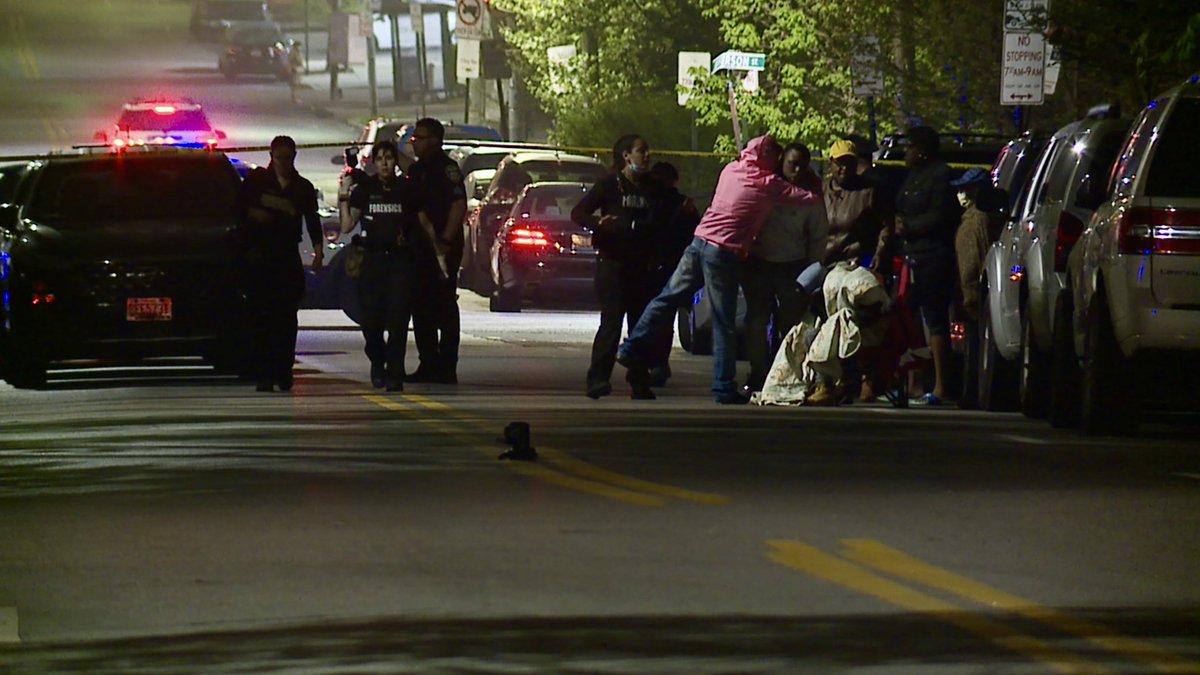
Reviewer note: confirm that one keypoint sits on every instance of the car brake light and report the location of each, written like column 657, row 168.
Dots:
column 164, row 109
column 1069, row 230
column 527, row 237
column 1146, row 231
column 40, row 296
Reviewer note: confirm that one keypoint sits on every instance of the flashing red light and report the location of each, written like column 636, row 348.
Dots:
column 164, row 109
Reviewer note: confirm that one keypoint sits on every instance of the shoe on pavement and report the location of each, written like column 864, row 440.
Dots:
column 378, row 379
column 659, row 376
column 642, row 393
column 421, row 375
column 395, row 385
column 599, row 390
column 926, row 400
column 732, row 398
column 285, row 383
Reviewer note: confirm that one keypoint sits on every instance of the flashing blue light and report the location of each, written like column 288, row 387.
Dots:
column 1153, row 105
column 1142, row 271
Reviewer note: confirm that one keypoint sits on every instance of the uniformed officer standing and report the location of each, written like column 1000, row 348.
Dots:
column 271, row 204
column 442, row 205
column 382, row 203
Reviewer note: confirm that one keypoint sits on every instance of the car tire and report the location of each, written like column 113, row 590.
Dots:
column 701, row 337
column 968, row 398
column 25, row 371
column 1032, row 377
column 504, row 301
column 997, row 377
column 484, row 284
column 1065, row 375
column 1107, row 407
column 683, row 327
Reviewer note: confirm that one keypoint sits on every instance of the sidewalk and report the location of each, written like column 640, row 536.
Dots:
column 354, row 106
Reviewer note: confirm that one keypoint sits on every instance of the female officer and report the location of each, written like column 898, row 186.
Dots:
column 626, row 235
column 382, row 203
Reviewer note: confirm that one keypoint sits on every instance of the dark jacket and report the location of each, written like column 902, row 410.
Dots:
column 928, row 206
column 640, row 227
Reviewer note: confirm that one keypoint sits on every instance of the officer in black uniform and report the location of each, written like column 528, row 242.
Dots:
column 270, row 207
column 382, row 203
column 442, row 205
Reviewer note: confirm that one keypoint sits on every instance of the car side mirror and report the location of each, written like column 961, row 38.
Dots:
column 221, row 135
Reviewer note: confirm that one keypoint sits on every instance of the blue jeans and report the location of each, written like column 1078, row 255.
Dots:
column 715, row 269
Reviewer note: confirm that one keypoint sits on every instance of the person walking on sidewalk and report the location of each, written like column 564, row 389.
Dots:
column 441, row 206
column 383, row 205
column 271, row 206
column 625, row 235
column 746, row 192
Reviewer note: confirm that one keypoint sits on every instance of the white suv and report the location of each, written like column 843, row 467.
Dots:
column 1025, row 270
column 1135, row 278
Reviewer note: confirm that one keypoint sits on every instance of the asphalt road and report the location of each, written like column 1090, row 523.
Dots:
column 163, row 519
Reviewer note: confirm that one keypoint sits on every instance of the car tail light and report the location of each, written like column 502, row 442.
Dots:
column 40, row 295
column 527, row 238
column 164, row 109
column 1070, row 228
column 1145, row 231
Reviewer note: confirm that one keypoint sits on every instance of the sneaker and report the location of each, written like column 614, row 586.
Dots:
column 926, row 400
column 599, row 390
column 732, row 398
column 642, row 393
column 378, row 379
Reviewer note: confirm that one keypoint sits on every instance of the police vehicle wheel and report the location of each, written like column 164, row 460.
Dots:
column 504, row 301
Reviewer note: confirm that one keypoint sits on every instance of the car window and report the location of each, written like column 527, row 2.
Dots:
column 584, row 172
column 1128, row 163
column 476, row 161
column 123, row 189
column 148, row 119
column 1172, row 173
column 236, row 10
column 1061, row 170
column 1031, row 189
column 551, row 203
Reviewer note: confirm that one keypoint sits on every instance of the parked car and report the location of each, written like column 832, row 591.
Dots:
column 217, row 19
column 261, row 50
column 515, row 171
column 1134, row 301
column 458, row 132
column 1012, row 173
column 539, row 252
column 119, row 256
column 10, row 177
column 1025, row 270
column 378, row 129
column 478, row 165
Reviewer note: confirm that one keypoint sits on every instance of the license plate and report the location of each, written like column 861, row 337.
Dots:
column 147, row 309
column 581, row 241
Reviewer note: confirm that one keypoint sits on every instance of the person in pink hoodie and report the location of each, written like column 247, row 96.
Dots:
column 746, row 192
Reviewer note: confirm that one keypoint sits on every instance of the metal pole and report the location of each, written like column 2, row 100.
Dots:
column 307, row 39
column 872, row 121
column 737, row 127
column 503, row 109
column 397, row 64
column 372, row 92
column 467, row 101
column 695, row 134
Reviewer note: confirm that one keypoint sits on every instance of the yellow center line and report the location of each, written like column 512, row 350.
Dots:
column 566, row 462
column 814, row 562
column 527, row 469
column 899, row 564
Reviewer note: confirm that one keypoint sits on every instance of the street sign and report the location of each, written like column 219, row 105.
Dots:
column 1028, row 16
column 735, row 60
column 1053, row 65
column 688, row 61
column 474, row 21
column 864, row 68
column 467, row 60
column 1023, row 69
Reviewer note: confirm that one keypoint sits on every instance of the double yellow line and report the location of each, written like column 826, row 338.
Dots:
column 553, row 466
column 860, row 556
column 24, row 52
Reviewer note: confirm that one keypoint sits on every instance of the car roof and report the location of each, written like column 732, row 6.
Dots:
column 522, row 156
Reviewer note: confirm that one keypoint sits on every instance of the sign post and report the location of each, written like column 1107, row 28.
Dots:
column 1023, row 70
column 866, row 78
column 731, row 61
